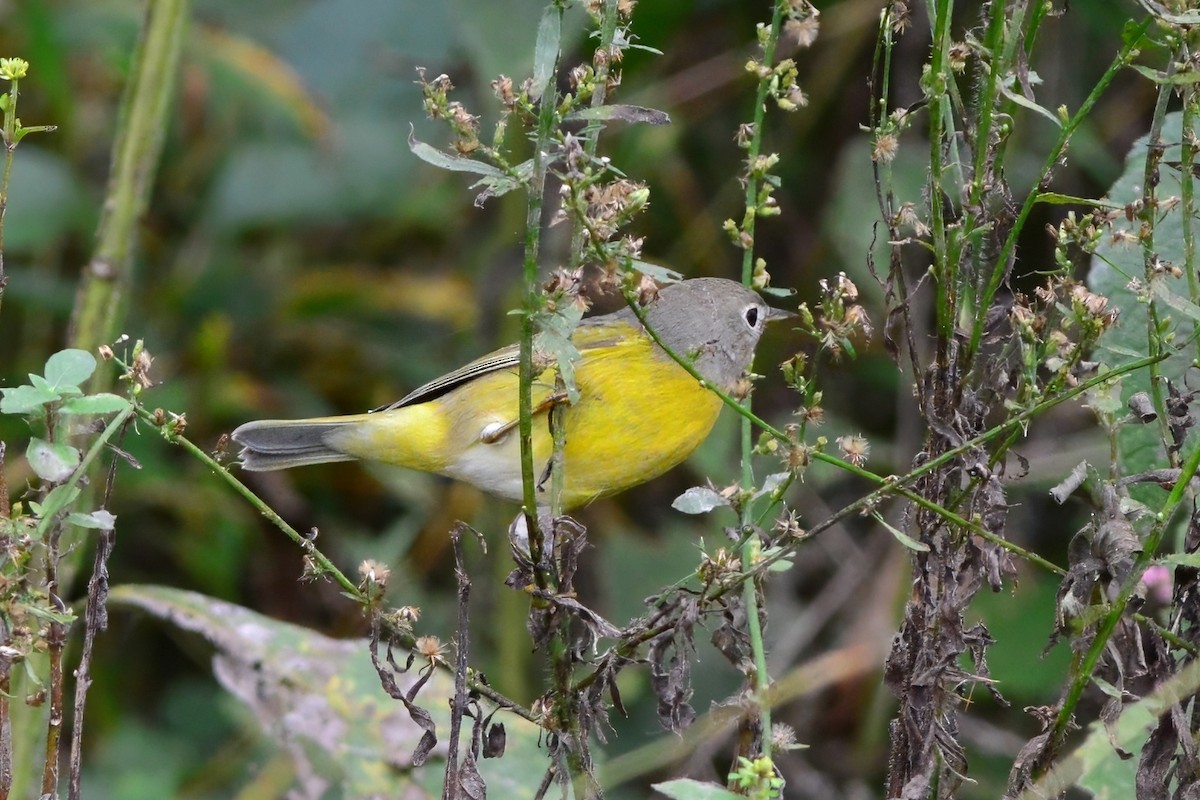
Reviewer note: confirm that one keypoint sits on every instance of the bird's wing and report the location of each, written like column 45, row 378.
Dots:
column 591, row 334
column 505, row 358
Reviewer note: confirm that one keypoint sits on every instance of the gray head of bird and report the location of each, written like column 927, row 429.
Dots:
column 714, row 322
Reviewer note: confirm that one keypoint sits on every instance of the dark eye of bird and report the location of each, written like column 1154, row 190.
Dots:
column 752, row 316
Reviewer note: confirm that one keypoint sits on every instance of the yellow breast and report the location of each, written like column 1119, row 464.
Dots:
column 638, row 414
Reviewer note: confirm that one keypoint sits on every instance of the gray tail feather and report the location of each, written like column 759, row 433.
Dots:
column 270, row 444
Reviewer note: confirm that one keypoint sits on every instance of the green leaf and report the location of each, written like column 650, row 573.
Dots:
column 320, row 698
column 1138, row 446
column 50, row 615
column 771, row 483
column 59, row 498
column 450, row 161
column 1159, row 288
column 554, row 339
column 103, row 403
column 688, row 789
column 53, row 462
column 99, row 519
column 902, row 537
column 69, row 368
column 660, row 274
column 1057, row 199
column 1025, row 102
column 1162, row 12
column 699, row 500
column 545, row 50
column 1174, row 79
column 25, row 399
column 1181, row 560
column 623, row 113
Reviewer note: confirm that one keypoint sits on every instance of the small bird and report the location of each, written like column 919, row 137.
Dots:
column 637, row 414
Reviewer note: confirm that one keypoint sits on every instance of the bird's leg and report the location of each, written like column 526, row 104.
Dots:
column 492, row 434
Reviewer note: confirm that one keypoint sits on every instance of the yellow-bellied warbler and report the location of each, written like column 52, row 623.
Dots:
column 638, row 413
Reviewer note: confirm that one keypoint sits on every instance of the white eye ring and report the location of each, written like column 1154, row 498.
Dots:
column 752, row 315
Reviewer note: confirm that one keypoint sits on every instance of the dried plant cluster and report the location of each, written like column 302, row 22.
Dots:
column 1000, row 358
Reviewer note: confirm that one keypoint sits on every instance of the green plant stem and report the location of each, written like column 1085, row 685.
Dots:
column 1147, row 214
column 1117, row 609
column 306, row 544
column 899, row 485
column 533, row 301
column 946, row 284
column 310, row 549
column 143, row 123
column 986, row 103
column 1187, row 159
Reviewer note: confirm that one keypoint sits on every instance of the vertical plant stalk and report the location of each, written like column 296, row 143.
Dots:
column 6, row 728
column 946, row 283
column 10, row 145
column 567, row 720
column 751, row 550
column 545, row 59
column 452, row 785
column 56, row 640
column 95, row 621
column 140, row 131
column 1123, row 59
column 1187, row 160
column 1148, row 215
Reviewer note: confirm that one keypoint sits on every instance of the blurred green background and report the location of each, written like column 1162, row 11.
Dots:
column 297, row 260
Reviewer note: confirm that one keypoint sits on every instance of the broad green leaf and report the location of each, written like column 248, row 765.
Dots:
column 1139, row 447
column 103, row 403
column 320, row 699
column 699, row 500
column 688, row 789
column 25, row 399
column 53, row 462
column 1096, row 766
column 69, row 368
column 1167, row 290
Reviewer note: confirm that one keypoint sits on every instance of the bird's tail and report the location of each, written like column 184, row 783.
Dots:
column 269, row 444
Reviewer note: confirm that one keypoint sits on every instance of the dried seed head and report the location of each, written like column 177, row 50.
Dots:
column 855, row 448
column 431, row 647
column 803, row 31
column 886, row 146
column 374, row 572
column 783, row 737
column 958, row 56
column 503, row 89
